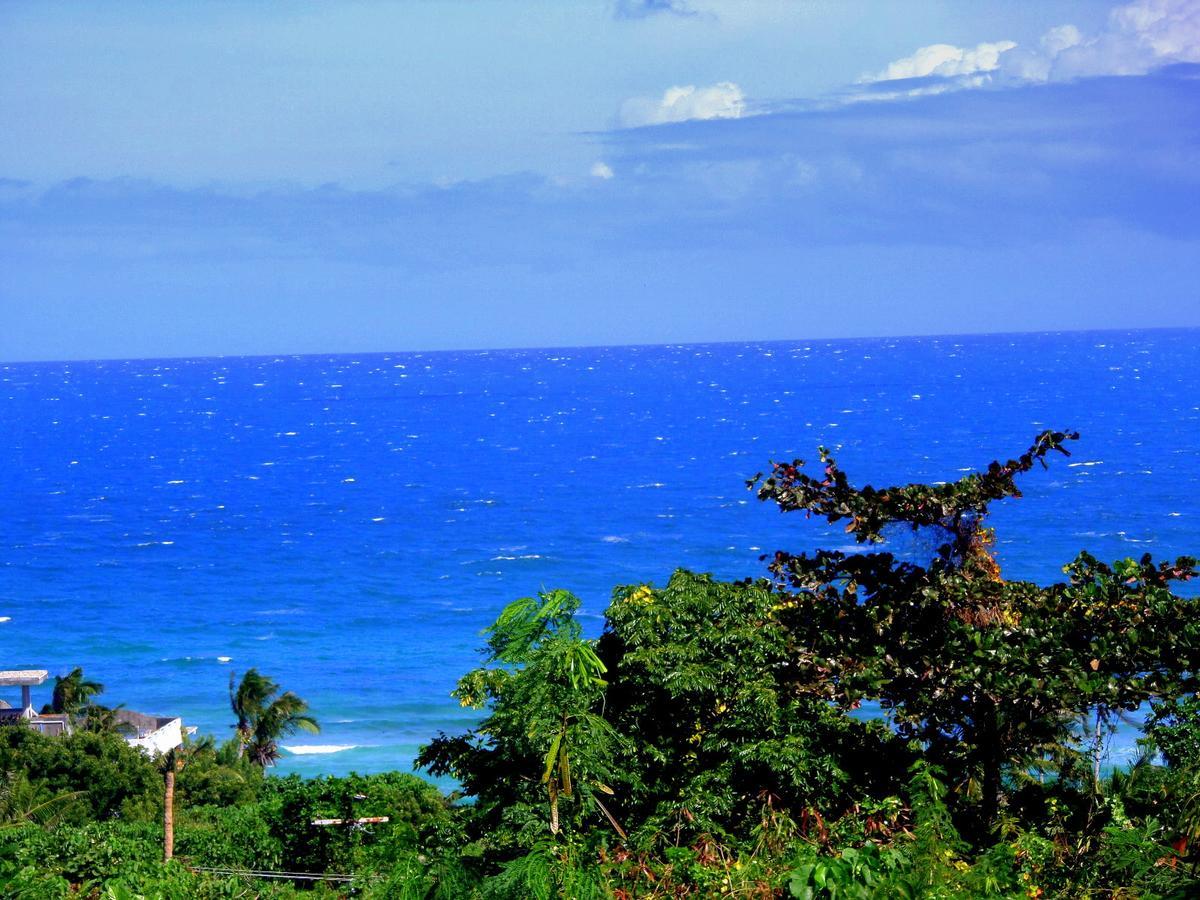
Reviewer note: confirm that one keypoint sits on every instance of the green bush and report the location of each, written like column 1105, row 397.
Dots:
column 117, row 780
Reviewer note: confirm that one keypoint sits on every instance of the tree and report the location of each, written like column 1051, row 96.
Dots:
column 706, row 685
column 105, row 720
column 544, row 742
column 264, row 715
column 73, row 694
column 111, row 778
column 22, row 801
column 990, row 676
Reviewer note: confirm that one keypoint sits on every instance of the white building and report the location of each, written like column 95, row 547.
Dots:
column 25, row 714
column 154, row 734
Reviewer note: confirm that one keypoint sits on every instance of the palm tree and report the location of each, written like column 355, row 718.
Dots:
column 247, row 701
column 264, row 716
column 22, row 802
column 73, row 693
column 105, row 720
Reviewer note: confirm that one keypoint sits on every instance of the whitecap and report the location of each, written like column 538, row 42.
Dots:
column 224, row 659
column 614, row 539
column 312, row 749
column 5, row 618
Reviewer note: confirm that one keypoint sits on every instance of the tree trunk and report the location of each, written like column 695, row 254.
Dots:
column 169, row 815
column 992, row 762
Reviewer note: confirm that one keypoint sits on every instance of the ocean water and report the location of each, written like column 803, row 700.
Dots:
column 349, row 524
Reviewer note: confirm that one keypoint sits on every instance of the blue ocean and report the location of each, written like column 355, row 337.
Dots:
column 349, row 524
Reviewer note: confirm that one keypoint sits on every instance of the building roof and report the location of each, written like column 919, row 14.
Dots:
column 15, row 677
column 145, row 724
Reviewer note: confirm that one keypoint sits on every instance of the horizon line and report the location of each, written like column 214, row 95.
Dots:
column 622, row 346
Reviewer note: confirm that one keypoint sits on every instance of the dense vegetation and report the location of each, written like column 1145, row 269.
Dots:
column 711, row 742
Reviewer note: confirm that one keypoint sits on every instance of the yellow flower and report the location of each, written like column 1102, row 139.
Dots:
column 644, row 595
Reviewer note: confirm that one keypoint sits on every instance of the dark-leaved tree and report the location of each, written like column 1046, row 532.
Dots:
column 991, row 677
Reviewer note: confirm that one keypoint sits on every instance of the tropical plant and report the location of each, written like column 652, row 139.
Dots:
column 105, row 720
column 22, row 801
column 989, row 676
column 264, row 715
column 73, row 693
column 705, row 684
column 109, row 778
column 543, row 689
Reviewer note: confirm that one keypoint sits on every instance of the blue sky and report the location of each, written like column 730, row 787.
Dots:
column 249, row 178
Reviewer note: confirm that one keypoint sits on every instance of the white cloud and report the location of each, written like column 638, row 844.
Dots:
column 1169, row 28
column 1060, row 38
column 723, row 100
column 945, row 60
column 1139, row 36
column 601, row 169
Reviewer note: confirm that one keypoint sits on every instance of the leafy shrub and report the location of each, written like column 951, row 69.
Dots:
column 117, row 780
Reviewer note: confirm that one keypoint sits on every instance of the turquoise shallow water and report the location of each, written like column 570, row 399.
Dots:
column 348, row 524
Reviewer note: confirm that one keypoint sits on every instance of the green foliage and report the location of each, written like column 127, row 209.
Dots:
column 111, row 778
column 239, row 837
column 73, row 693
column 706, row 744
column 97, row 851
column 956, row 507
column 1174, row 728
column 991, row 677
column 544, row 744
column 23, row 801
column 216, row 776
column 550, row 869
column 705, row 684
column 420, row 820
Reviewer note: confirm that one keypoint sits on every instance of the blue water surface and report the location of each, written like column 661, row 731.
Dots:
column 349, row 524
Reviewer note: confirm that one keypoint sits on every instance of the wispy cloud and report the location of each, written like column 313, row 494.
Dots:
column 1029, row 163
column 640, row 9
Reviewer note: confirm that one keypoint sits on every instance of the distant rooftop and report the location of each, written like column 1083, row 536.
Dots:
column 24, row 677
column 143, row 723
